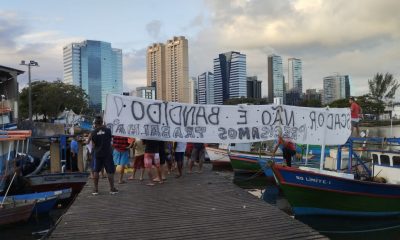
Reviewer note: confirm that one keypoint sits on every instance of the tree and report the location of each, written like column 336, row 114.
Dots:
column 381, row 88
column 341, row 103
column 51, row 98
column 311, row 103
column 369, row 105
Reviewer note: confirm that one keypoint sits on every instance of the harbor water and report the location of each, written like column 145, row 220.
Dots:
column 341, row 228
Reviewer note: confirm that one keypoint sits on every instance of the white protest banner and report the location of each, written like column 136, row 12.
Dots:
column 170, row 121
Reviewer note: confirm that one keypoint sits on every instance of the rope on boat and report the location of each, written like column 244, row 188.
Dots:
column 360, row 231
column 252, row 176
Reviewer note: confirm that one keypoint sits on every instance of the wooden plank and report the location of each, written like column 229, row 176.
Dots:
column 196, row 206
column 55, row 164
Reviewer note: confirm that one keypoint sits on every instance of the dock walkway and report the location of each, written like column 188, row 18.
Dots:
column 195, row 206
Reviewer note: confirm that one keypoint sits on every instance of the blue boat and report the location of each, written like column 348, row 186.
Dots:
column 45, row 201
column 356, row 193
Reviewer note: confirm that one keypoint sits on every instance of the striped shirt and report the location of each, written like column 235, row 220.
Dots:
column 120, row 143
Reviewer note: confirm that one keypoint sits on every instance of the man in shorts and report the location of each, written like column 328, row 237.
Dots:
column 101, row 138
column 198, row 155
column 355, row 115
column 152, row 157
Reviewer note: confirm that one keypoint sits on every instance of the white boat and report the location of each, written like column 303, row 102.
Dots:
column 219, row 156
column 386, row 165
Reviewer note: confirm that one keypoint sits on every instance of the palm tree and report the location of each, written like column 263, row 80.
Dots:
column 382, row 87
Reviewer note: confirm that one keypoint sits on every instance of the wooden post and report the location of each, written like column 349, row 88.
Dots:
column 55, row 164
column 80, row 157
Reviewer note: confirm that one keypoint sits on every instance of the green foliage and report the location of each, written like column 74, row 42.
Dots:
column 341, row 103
column 254, row 101
column 383, row 86
column 369, row 105
column 51, row 98
column 311, row 103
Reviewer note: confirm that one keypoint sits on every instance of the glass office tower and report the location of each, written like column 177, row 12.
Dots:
column 96, row 67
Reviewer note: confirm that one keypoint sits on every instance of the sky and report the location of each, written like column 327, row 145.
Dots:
column 358, row 38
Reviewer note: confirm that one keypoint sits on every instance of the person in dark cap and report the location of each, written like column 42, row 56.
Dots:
column 101, row 138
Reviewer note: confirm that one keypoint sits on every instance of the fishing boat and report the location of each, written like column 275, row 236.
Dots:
column 219, row 156
column 6, row 119
column 45, row 201
column 42, row 180
column 42, row 206
column 248, row 162
column 310, row 149
column 312, row 191
column 11, row 142
column 12, row 212
column 57, row 181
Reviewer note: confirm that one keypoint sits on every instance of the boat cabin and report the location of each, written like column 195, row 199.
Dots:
column 387, row 166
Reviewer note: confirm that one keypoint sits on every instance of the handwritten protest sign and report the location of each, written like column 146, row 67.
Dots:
column 171, row 121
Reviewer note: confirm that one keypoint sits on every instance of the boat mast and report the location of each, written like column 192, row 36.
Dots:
column 321, row 163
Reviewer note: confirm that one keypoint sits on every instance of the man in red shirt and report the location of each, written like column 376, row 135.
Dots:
column 288, row 149
column 355, row 115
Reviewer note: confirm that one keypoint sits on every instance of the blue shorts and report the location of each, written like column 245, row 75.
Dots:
column 121, row 158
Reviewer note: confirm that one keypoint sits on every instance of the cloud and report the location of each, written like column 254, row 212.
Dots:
column 153, row 28
column 11, row 27
column 18, row 43
column 134, row 64
column 196, row 22
column 358, row 38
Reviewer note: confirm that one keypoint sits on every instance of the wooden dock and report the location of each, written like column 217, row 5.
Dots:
column 196, row 206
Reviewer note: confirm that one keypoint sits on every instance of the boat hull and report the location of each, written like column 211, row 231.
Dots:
column 45, row 201
column 311, row 193
column 251, row 163
column 15, row 214
column 219, row 158
column 57, row 181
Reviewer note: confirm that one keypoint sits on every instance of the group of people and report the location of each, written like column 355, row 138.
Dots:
column 152, row 156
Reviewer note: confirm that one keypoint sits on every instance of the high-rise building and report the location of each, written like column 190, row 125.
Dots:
column 295, row 78
column 229, row 76
column 177, row 70
column 156, row 69
column 276, row 81
column 205, row 83
column 96, row 67
column 253, row 87
column 193, row 90
column 293, row 97
column 146, row 92
column 336, row 87
column 168, row 69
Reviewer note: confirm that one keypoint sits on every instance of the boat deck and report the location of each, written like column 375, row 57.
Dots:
column 195, row 206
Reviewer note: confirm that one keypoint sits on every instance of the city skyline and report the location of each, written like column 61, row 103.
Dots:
column 349, row 40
